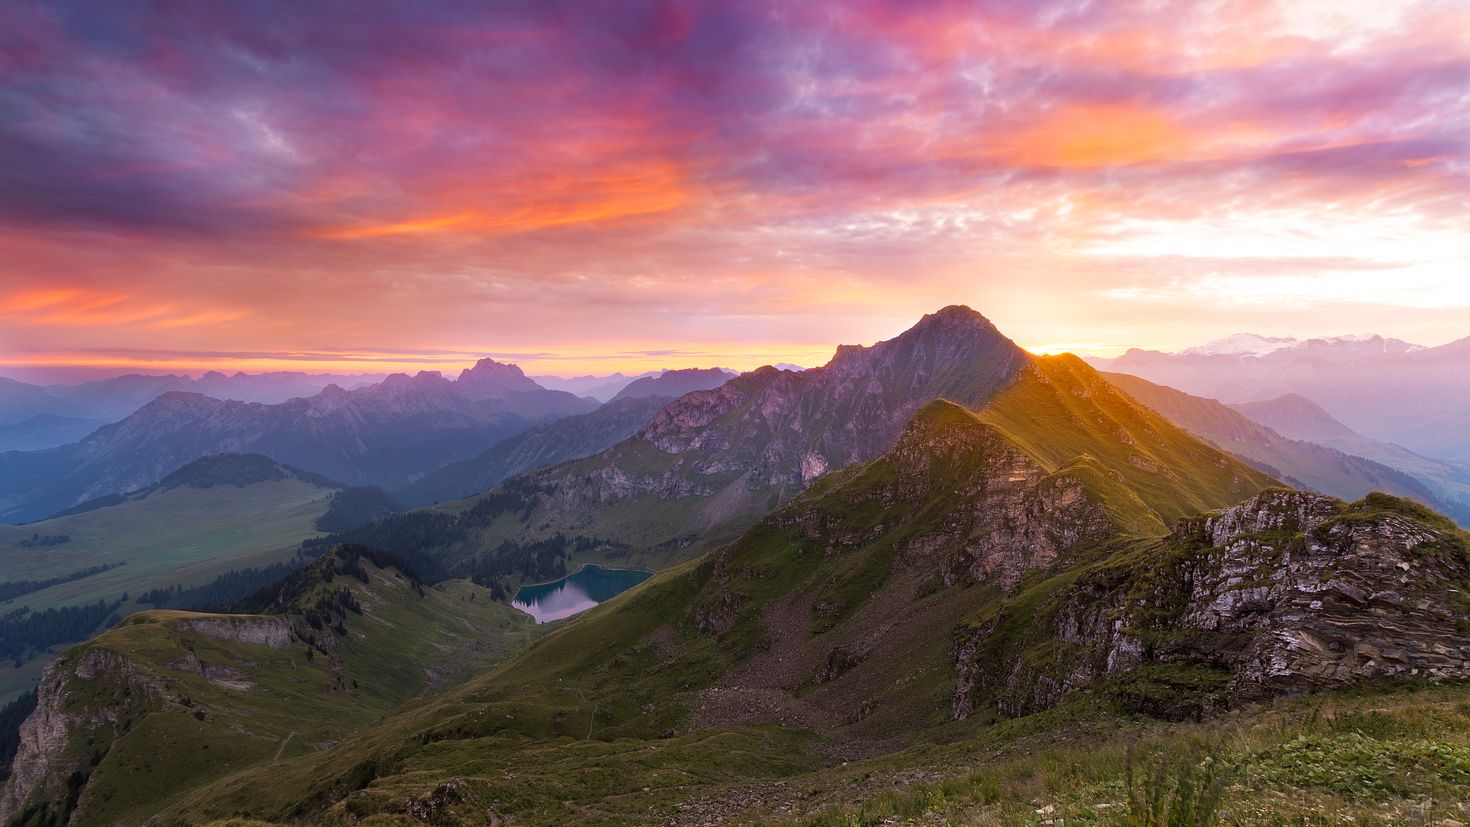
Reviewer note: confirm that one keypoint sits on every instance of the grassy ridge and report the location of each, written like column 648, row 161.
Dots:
column 191, row 705
column 1061, row 409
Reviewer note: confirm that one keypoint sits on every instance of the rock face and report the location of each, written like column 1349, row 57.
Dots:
column 771, row 424
column 275, row 632
column 384, row 435
column 89, row 696
column 1004, row 513
column 47, row 756
column 1285, row 593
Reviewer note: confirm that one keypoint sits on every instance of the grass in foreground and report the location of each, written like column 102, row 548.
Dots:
column 1396, row 757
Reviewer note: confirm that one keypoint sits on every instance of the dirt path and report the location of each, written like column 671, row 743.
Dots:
column 282, row 748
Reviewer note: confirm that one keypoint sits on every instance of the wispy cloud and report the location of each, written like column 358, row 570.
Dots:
column 597, row 177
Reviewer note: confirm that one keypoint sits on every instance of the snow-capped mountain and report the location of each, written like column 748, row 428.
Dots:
column 1254, row 344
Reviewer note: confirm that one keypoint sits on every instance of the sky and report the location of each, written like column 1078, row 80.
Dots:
column 585, row 186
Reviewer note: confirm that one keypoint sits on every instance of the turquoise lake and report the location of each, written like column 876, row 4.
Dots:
column 577, row 592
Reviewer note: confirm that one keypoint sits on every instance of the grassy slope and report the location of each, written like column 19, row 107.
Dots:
column 1376, row 757
column 1061, row 409
column 182, row 535
column 272, row 705
column 602, row 689
column 161, row 540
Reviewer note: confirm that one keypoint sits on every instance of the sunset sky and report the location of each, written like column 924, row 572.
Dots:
column 587, row 187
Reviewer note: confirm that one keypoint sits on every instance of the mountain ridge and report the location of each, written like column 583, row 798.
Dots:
column 819, row 623
column 1413, row 397
column 383, row 435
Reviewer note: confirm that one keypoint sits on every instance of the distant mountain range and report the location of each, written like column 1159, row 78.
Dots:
column 384, row 435
column 564, row 439
column 36, row 416
column 1243, row 431
column 1386, row 389
column 45, row 431
column 601, row 388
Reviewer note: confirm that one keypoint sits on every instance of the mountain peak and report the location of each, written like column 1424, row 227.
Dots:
column 491, row 377
column 947, row 341
column 954, row 314
column 1241, row 344
column 1295, row 417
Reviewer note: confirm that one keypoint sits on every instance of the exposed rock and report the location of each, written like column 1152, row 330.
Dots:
column 46, row 756
column 274, row 632
column 1285, row 593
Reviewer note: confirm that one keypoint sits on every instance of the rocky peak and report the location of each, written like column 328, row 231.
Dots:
column 491, row 378
column 953, row 333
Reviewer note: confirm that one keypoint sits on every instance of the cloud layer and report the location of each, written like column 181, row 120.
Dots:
column 589, row 183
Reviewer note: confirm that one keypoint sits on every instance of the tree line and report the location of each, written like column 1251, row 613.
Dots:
column 17, row 588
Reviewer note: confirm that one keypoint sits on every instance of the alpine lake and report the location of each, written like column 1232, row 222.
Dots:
column 577, row 592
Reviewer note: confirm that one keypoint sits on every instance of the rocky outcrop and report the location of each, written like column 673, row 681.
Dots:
column 1285, row 593
column 60, row 739
column 275, row 632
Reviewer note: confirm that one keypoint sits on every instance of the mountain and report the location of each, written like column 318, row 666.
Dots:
column 1387, row 389
column 562, row 440
column 546, row 444
column 33, row 417
column 882, row 629
column 44, row 431
column 1253, row 344
column 978, row 621
column 601, row 388
column 329, row 650
column 1297, row 417
column 20, row 402
column 383, row 435
column 112, row 399
column 1299, row 463
column 673, row 384
column 1300, row 418
column 708, row 465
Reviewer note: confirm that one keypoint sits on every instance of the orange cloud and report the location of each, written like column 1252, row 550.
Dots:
column 29, row 300
column 415, row 227
column 1091, row 136
column 548, row 201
